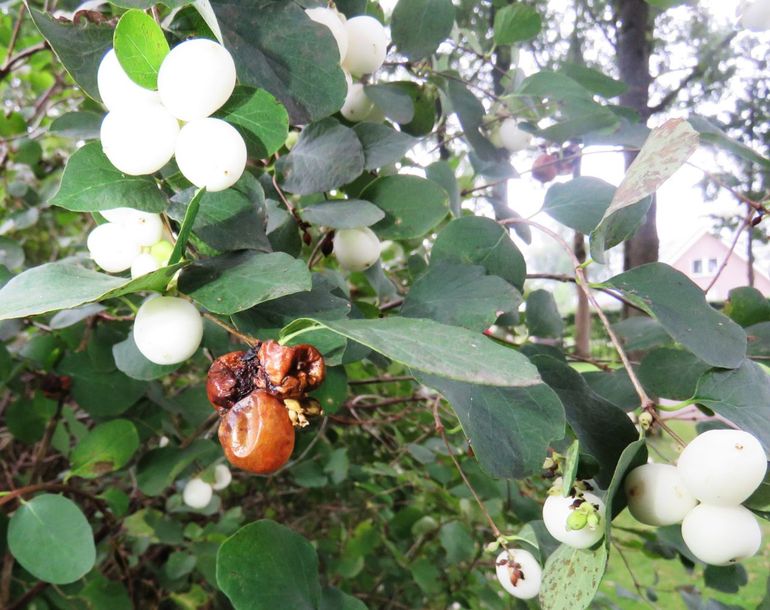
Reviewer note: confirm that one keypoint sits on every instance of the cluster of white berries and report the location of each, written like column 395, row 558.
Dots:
column 141, row 131
column 129, row 240
column 715, row 474
column 197, row 493
column 363, row 44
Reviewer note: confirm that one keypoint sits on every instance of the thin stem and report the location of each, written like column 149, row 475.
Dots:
column 580, row 277
column 442, row 432
column 247, row 339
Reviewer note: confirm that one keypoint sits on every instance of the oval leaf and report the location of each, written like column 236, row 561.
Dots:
column 265, row 566
column 106, row 448
column 140, row 47
column 51, row 539
column 343, row 214
column 571, row 577
column 91, row 183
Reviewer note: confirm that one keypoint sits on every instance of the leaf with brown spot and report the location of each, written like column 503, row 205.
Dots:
column 571, row 578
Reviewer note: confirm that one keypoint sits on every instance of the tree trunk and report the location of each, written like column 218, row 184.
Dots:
column 634, row 35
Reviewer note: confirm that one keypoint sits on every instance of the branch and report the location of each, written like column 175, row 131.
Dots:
column 698, row 71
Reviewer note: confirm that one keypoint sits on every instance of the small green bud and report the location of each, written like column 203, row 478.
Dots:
column 577, row 520
column 492, row 547
column 645, row 420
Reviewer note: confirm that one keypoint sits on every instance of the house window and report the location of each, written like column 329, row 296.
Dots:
column 712, row 266
column 697, row 266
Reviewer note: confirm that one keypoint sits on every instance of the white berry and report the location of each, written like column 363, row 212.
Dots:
column 755, row 16
column 139, row 139
column 657, row 496
column 357, row 106
column 528, row 574
column 168, row 330
column 513, row 138
column 196, row 78
column 723, row 466
column 211, row 153
column 146, row 228
column 356, row 249
column 112, row 248
column 367, row 45
column 721, row 535
column 143, row 264
column 117, row 89
column 557, row 509
column 197, row 493
column 335, row 22
column 222, row 477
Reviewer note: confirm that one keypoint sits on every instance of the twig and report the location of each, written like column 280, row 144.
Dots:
column 647, row 403
column 385, row 379
column 45, row 442
column 442, row 432
column 247, row 339
column 745, row 223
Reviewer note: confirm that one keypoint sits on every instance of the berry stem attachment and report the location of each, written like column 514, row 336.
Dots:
column 186, row 228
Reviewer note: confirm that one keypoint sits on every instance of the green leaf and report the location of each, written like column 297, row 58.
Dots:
column 594, row 80
column 130, row 361
column 510, row 429
column 712, row 134
column 603, row 429
column 571, row 577
column 80, row 125
column 265, row 566
column 158, row 468
column 641, row 333
column 460, row 295
column 516, row 23
column 457, row 542
column 543, row 317
column 342, row 214
column 62, row 285
column 747, row 306
column 382, row 144
column 681, row 308
column 741, row 395
column 431, row 347
column 758, row 336
column 234, row 282
column 615, row 501
column 580, row 203
column 106, row 448
column 79, row 46
column 259, row 117
column 186, row 227
column 26, row 419
column 614, row 386
column 91, row 183
column 618, row 227
column 666, row 149
column 394, row 99
column 474, row 240
column 442, row 173
column 233, row 219
column 412, row 205
column 418, row 27
column 334, row 599
column 671, row 373
column 51, row 539
column 101, row 393
column 326, row 156
column 278, row 48
column 140, row 47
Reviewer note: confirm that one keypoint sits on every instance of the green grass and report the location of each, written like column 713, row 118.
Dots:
column 668, row 577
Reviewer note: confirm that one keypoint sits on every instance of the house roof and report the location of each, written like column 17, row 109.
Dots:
column 705, row 233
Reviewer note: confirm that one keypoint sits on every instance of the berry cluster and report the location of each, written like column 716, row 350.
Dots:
column 715, row 474
column 130, row 239
column 198, row 492
column 141, row 131
column 261, row 395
